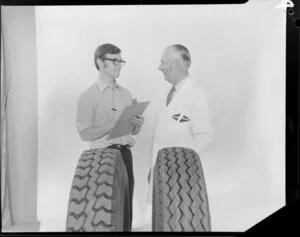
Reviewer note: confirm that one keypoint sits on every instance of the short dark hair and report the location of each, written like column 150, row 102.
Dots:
column 184, row 53
column 104, row 49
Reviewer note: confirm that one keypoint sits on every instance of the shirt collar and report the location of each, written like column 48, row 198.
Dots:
column 102, row 86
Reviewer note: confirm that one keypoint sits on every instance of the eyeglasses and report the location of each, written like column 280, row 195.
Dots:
column 116, row 61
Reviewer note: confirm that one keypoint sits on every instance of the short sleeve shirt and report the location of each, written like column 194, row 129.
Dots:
column 99, row 106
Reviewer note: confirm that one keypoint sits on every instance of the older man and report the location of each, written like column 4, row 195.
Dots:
column 182, row 118
column 100, row 105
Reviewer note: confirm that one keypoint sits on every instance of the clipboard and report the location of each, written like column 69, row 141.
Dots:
column 123, row 126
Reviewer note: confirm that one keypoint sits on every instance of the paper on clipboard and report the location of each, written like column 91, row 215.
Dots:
column 123, row 126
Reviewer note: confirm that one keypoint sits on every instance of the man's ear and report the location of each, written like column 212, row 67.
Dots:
column 178, row 64
column 187, row 63
column 100, row 63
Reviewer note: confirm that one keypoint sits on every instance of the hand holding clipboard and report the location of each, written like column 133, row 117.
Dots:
column 123, row 126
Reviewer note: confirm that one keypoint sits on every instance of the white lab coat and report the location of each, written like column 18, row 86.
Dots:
column 196, row 134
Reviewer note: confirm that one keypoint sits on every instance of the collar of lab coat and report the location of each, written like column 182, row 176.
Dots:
column 181, row 83
column 181, row 95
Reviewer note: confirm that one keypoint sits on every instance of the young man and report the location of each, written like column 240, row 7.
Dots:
column 182, row 118
column 100, row 105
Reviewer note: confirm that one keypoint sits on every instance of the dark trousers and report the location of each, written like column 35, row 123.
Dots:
column 127, row 159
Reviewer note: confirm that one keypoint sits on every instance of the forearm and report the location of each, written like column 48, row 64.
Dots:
column 89, row 134
column 136, row 130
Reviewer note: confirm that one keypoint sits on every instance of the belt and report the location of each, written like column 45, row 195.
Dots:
column 119, row 147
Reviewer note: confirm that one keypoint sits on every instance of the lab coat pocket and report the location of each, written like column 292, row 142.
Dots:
column 179, row 123
column 177, row 127
column 173, row 125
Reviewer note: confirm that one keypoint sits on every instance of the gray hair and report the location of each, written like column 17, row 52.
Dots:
column 183, row 52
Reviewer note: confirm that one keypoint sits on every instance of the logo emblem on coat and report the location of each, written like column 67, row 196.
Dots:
column 180, row 118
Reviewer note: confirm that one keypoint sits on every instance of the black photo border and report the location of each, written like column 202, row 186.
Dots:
column 283, row 220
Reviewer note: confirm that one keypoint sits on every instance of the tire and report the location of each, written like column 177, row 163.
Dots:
column 180, row 201
column 99, row 193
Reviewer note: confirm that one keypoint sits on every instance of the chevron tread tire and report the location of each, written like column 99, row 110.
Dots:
column 180, row 201
column 99, row 193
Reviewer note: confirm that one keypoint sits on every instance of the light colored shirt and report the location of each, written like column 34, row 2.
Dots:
column 101, row 105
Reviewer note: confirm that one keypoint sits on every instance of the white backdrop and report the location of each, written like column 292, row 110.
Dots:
column 238, row 57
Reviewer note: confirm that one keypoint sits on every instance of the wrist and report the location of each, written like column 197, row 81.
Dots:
column 135, row 130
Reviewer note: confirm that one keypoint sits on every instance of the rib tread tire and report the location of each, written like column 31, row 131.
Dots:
column 98, row 192
column 180, row 201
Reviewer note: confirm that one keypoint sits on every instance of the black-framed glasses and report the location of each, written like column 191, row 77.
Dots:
column 116, row 61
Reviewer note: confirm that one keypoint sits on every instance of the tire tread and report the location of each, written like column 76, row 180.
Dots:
column 180, row 201
column 94, row 192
